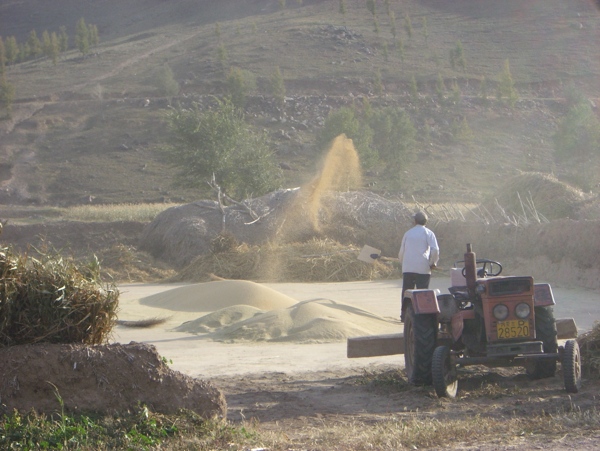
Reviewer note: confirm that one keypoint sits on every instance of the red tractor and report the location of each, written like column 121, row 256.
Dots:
column 486, row 319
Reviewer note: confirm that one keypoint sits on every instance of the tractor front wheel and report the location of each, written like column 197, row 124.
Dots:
column 571, row 366
column 420, row 335
column 545, row 330
column 443, row 373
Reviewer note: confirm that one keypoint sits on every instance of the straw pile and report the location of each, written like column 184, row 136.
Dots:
column 590, row 352
column 317, row 260
column 535, row 197
column 51, row 300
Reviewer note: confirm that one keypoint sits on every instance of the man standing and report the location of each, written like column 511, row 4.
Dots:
column 419, row 254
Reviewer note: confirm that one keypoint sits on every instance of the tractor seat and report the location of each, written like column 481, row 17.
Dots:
column 459, row 293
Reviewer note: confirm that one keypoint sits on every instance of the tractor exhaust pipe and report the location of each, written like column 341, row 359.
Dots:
column 471, row 270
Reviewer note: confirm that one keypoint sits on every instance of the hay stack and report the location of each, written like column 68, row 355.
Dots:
column 51, row 300
column 590, row 351
column 313, row 261
column 532, row 194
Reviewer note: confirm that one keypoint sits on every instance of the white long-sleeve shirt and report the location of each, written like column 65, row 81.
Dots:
column 419, row 250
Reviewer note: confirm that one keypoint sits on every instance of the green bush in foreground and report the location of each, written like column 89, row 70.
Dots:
column 50, row 299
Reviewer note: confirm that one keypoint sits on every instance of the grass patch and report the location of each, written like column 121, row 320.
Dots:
column 144, row 430
column 137, row 430
column 115, row 212
column 390, row 380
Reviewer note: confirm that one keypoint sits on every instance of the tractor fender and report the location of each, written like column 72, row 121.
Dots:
column 423, row 301
column 542, row 295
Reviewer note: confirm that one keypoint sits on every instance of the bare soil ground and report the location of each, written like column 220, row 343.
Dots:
column 298, row 402
column 298, row 389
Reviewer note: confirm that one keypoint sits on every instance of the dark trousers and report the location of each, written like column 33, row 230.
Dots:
column 411, row 280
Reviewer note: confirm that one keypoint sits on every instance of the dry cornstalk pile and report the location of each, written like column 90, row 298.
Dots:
column 534, row 197
column 51, row 300
column 312, row 261
column 590, row 351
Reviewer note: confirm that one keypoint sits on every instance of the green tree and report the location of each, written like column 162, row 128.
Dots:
column 506, row 86
column 54, row 48
column 578, row 133
column 12, row 50
column 220, row 143
column 239, row 84
column 408, row 26
column 400, row 48
column 34, row 46
column 82, row 37
column 165, row 82
column 222, row 55
column 461, row 131
column 342, row 7
column 440, row 88
column 456, row 93
column 7, row 95
column 483, row 91
column 46, row 43
column 378, row 83
column 393, row 137
column 414, row 88
column 277, row 86
column 425, row 32
column 63, row 39
column 344, row 120
column 93, row 35
column 457, row 57
column 393, row 28
column 371, row 6
column 2, row 57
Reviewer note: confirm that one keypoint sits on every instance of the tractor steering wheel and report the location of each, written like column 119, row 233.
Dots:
column 490, row 268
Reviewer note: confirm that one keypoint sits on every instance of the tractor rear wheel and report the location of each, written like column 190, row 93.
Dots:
column 545, row 330
column 571, row 366
column 420, row 335
column 443, row 373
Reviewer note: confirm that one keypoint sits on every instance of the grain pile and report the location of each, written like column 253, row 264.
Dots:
column 244, row 311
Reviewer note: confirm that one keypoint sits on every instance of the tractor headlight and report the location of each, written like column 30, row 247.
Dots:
column 522, row 310
column 500, row 312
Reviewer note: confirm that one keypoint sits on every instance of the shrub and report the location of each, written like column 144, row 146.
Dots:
column 165, row 81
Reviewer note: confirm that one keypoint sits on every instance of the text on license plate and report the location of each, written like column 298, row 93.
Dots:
column 512, row 329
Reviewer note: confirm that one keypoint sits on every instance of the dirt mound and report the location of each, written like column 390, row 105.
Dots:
column 107, row 379
column 533, row 194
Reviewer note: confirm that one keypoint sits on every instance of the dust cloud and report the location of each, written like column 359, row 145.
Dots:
column 340, row 170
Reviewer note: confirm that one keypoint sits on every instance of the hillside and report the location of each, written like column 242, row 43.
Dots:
column 90, row 129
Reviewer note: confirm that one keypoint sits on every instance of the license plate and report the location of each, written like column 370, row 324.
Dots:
column 512, row 329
